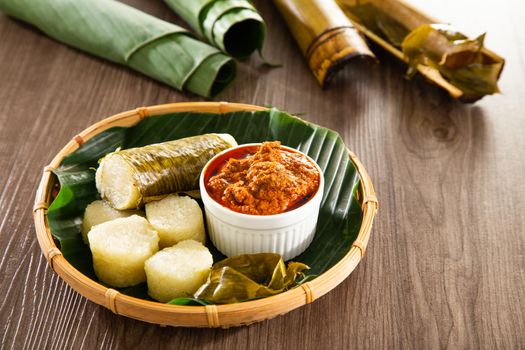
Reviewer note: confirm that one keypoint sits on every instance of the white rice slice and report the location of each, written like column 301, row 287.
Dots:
column 178, row 271
column 120, row 247
column 99, row 212
column 176, row 218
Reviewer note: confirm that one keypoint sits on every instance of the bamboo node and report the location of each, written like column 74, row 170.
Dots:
column 308, row 292
column 362, row 248
column 212, row 315
column 40, row 206
column 223, row 107
column 79, row 140
column 111, row 296
column 51, row 253
column 351, row 154
column 371, row 198
column 142, row 112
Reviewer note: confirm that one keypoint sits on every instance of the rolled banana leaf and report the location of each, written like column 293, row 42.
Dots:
column 325, row 36
column 124, row 35
column 234, row 26
column 127, row 178
column 446, row 57
column 249, row 276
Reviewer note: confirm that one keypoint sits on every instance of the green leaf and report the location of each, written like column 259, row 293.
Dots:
column 124, row 35
column 188, row 302
column 139, row 291
column 249, row 276
column 65, row 216
column 234, row 26
column 340, row 216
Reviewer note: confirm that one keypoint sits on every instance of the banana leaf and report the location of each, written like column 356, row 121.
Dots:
column 340, row 215
column 124, row 35
column 234, row 26
column 325, row 36
column 456, row 57
column 247, row 277
column 460, row 65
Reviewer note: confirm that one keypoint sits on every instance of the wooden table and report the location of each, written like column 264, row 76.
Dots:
column 446, row 261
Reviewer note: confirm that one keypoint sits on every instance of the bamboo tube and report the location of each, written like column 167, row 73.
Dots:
column 389, row 22
column 325, row 36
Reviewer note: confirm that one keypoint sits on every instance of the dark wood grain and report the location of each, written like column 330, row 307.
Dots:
column 445, row 266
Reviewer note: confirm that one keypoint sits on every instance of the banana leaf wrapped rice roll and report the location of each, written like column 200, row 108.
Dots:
column 126, row 178
column 127, row 36
column 326, row 37
column 234, row 26
column 457, row 58
column 456, row 63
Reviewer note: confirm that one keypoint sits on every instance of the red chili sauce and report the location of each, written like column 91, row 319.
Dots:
column 262, row 180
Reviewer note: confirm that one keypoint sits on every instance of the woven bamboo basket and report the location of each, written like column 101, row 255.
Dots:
column 192, row 316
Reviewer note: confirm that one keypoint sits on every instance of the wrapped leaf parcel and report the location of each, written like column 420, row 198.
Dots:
column 122, row 34
column 249, row 276
column 460, row 65
column 126, row 178
column 324, row 34
column 458, row 58
column 234, row 26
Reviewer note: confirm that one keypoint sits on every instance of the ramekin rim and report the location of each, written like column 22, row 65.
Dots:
column 243, row 216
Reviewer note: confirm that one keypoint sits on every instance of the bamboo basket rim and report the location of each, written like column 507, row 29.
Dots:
column 193, row 316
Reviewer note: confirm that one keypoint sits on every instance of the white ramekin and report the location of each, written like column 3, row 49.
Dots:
column 288, row 233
